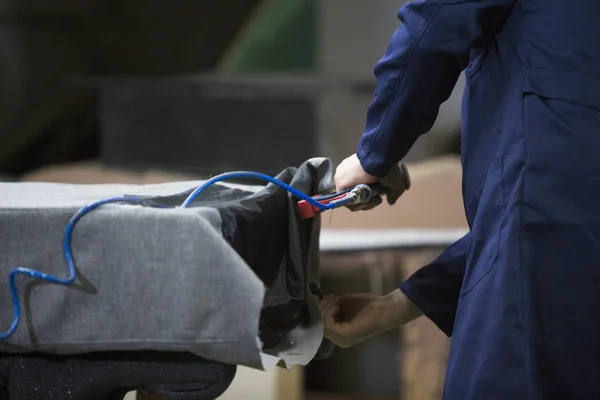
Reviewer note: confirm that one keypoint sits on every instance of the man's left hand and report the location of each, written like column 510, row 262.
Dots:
column 351, row 173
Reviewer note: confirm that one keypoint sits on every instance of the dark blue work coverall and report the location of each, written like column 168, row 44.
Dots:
column 520, row 293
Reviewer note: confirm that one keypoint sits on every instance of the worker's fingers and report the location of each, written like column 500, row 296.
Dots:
column 330, row 325
column 329, row 318
column 331, row 313
column 328, row 298
column 339, row 333
column 350, row 173
column 332, row 308
column 375, row 201
column 327, row 302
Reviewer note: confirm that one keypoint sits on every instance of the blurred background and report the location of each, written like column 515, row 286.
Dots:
column 90, row 79
column 138, row 91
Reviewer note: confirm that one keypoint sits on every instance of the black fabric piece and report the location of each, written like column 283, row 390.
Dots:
column 109, row 376
column 275, row 248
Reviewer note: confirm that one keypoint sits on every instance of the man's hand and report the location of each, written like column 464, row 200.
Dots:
column 351, row 173
column 351, row 319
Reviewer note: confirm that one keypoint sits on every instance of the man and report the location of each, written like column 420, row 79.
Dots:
column 520, row 293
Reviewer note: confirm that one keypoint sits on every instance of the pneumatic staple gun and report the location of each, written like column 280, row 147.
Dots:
column 359, row 194
column 398, row 178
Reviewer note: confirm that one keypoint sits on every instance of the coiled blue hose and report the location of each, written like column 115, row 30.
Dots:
column 134, row 200
column 68, row 258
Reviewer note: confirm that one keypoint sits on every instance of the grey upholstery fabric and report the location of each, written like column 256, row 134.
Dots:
column 149, row 278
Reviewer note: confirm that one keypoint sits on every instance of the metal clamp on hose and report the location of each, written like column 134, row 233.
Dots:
column 362, row 194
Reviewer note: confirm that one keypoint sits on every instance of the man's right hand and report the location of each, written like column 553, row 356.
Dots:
column 351, row 319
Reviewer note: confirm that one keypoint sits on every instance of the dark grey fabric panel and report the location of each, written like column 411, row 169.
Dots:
column 153, row 279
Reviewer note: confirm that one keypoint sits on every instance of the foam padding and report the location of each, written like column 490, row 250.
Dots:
column 110, row 376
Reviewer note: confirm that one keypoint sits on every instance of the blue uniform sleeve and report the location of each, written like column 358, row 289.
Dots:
column 419, row 70
column 435, row 288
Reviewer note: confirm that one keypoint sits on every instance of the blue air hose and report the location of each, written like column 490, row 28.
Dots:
column 134, row 200
column 256, row 175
